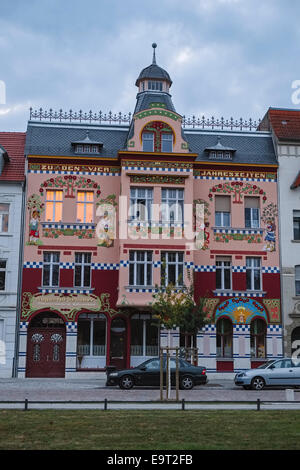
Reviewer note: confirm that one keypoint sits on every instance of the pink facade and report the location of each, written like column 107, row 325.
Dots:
column 99, row 229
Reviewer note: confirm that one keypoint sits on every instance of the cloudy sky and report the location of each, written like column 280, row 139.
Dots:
column 230, row 58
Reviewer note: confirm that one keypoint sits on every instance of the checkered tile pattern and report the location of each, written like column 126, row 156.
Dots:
column 219, row 178
column 239, row 294
column 33, row 264
column 23, row 326
column 66, row 265
column 124, row 264
column 238, row 231
column 204, row 269
column 170, row 170
column 53, row 290
column 189, row 265
column 83, row 173
column 71, row 226
column 71, row 327
column 241, row 328
column 274, row 329
column 105, row 266
column 270, row 269
column 140, row 289
column 238, row 269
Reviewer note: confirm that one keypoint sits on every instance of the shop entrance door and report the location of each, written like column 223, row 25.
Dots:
column 46, row 350
column 118, row 343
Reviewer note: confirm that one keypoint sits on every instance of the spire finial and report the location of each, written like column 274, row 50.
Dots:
column 154, row 45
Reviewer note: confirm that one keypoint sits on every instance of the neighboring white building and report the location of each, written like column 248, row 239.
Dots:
column 285, row 127
column 12, row 181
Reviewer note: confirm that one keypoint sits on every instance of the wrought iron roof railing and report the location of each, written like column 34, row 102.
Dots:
column 223, row 124
column 80, row 116
column 120, row 118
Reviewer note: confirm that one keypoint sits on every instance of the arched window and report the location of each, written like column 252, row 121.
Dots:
column 224, row 337
column 157, row 136
column 258, row 330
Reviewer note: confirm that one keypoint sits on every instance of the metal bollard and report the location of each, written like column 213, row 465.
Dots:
column 182, row 404
column 105, row 404
column 26, row 404
column 258, row 404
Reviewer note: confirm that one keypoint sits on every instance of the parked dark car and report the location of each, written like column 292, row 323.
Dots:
column 148, row 373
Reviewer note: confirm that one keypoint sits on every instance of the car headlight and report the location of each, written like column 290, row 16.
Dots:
column 113, row 374
column 241, row 374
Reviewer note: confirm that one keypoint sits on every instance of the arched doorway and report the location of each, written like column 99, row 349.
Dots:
column 46, row 346
column 118, row 343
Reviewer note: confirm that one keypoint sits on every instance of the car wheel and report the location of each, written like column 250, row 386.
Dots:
column 258, row 383
column 186, row 383
column 126, row 382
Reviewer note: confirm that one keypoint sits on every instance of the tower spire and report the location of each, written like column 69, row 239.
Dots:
column 154, row 45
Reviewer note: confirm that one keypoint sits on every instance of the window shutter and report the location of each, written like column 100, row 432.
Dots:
column 252, row 202
column 222, row 203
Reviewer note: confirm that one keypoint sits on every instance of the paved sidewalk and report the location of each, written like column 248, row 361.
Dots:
column 95, row 390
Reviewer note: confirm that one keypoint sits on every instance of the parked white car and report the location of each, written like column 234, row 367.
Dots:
column 282, row 372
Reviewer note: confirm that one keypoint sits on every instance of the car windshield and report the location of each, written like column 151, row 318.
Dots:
column 265, row 365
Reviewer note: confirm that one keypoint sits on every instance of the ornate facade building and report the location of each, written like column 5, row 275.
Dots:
column 112, row 209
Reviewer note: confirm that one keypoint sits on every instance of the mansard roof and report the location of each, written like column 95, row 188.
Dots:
column 49, row 138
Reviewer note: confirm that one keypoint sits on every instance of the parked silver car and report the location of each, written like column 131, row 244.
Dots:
column 281, row 372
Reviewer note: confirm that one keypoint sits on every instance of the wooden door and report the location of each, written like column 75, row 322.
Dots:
column 118, row 343
column 46, row 350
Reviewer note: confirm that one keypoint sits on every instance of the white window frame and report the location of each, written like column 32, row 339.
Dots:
column 250, row 266
column 82, row 263
column 91, row 319
column 85, row 203
column 51, row 263
column 155, row 85
column 55, row 202
column 135, row 197
column 179, row 267
column 222, row 267
column 148, row 137
column 147, row 264
column 222, row 215
column 170, row 204
column 166, row 138
column 2, row 214
column 143, row 318
column 254, row 223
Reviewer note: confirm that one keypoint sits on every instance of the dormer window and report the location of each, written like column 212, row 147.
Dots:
column 157, row 136
column 155, row 85
column 166, row 142
column 148, row 141
column 87, row 145
column 220, row 152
